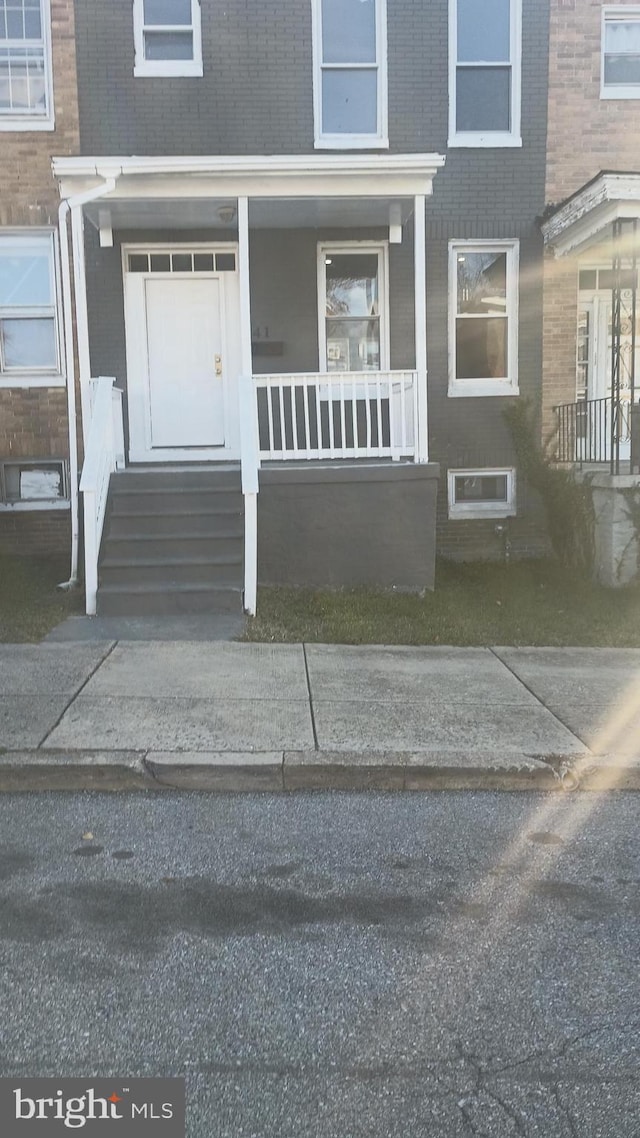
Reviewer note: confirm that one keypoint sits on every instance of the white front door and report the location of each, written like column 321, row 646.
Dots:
column 185, row 354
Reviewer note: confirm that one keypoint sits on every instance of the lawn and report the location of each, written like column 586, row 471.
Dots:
column 526, row 602
column 30, row 602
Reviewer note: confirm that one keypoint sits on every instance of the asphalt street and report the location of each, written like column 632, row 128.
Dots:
column 324, row 965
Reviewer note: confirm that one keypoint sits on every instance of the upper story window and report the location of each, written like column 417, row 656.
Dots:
column 620, row 69
column 484, row 72
column 350, row 73
column 483, row 318
column 167, row 37
column 29, row 349
column 26, row 99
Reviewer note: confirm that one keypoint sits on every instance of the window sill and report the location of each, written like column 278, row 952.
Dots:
column 165, row 69
column 478, row 513
column 9, row 381
column 24, row 123
column 485, row 141
column 479, row 388
column 620, row 92
column 36, row 504
column 351, row 142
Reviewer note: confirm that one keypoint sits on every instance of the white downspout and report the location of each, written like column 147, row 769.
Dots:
column 66, row 206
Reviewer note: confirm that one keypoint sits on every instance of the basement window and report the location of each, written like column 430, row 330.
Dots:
column 482, row 493
column 34, row 485
column 168, row 40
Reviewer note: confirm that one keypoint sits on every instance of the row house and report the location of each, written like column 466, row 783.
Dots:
column 306, row 279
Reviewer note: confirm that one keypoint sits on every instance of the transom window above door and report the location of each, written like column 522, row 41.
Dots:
column 26, row 98
column 353, row 305
column 350, row 73
column 484, row 72
column 168, row 38
column 183, row 262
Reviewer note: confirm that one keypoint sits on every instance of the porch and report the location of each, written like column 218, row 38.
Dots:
column 200, row 246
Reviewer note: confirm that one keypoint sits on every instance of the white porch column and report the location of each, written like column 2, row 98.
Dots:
column 82, row 316
column 420, row 278
column 248, row 418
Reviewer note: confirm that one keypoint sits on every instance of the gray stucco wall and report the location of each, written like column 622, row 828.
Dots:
column 348, row 525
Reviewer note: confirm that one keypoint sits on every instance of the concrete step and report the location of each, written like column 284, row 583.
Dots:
column 167, row 600
column 153, row 546
column 217, row 570
column 159, row 501
column 209, row 523
column 134, row 478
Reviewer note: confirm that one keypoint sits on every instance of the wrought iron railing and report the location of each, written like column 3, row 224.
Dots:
column 593, row 431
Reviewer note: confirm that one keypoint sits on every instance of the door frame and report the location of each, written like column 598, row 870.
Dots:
column 137, row 356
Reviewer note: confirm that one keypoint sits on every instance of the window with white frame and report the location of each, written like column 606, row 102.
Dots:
column 482, row 493
column 483, row 318
column 620, row 67
column 353, row 319
column 26, row 99
column 350, row 73
column 484, row 72
column 29, row 348
column 33, row 484
column 168, row 38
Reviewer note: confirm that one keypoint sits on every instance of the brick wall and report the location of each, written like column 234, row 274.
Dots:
column 33, row 421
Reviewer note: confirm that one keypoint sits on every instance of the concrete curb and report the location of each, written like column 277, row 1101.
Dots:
column 277, row 771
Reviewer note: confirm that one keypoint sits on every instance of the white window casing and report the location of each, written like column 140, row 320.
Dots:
column 327, row 250
column 464, row 339
column 620, row 52
column 34, row 484
column 475, row 505
column 508, row 62
column 150, row 38
column 26, row 73
column 30, row 350
column 369, row 73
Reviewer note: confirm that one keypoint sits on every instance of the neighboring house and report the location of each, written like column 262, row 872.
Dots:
column 592, row 231
column 310, row 242
column 38, row 118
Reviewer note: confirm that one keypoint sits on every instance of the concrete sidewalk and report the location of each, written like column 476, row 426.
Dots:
column 233, row 716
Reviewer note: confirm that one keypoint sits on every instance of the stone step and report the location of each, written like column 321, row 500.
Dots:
column 160, row 501
column 136, row 546
column 208, row 523
column 168, row 600
column 217, row 570
column 134, row 478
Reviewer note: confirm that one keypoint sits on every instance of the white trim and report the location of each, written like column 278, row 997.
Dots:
column 420, row 328
column 327, row 141
column 34, row 122
column 168, row 68
column 381, row 248
column 479, row 387
column 486, row 508
column 257, row 165
column 36, row 505
column 586, row 216
column 42, row 377
column 498, row 138
column 612, row 14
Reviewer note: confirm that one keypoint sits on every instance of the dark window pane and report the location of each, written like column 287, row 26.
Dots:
column 25, row 276
column 29, row 343
column 483, row 98
column 482, row 282
column 225, row 262
column 138, row 263
column 168, row 12
column 15, row 24
column 168, row 45
column 352, row 284
column 623, row 69
column 32, row 25
column 160, row 263
column 203, row 262
column 182, row 262
column 481, row 348
column 481, row 488
column 607, row 279
column 587, row 278
column 622, row 36
column 350, row 102
column 348, row 31
column 353, row 345
column 483, row 31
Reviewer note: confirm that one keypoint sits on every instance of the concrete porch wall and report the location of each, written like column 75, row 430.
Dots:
column 346, row 525
column 616, row 503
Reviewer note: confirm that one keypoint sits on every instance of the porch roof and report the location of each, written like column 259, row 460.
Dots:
column 586, row 218
column 306, row 176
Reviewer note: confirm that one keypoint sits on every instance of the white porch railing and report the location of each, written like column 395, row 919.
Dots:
column 104, row 454
column 337, row 415
column 250, row 465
